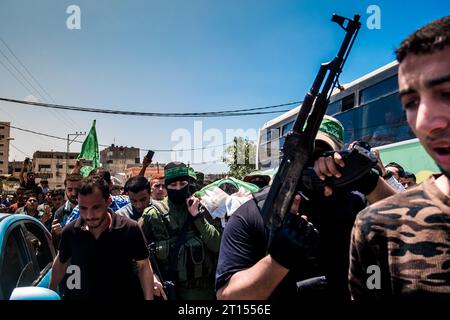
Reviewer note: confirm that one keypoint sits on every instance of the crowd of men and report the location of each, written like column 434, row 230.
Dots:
column 330, row 240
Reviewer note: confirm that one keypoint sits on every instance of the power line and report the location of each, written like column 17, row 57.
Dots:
column 154, row 114
column 12, row 73
column 209, row 166
column 181, row 150
column 19, row 72
column 38, row 133
column 26, row 69
column 27, row 89
column 201, row 114
column 20, row 123
column 206, row 162
column 54, row 113
column 107, row 145
column 260, row 108
column 12, row 145
column 218, row 161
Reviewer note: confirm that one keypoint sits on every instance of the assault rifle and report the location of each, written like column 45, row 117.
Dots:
column 300, row 142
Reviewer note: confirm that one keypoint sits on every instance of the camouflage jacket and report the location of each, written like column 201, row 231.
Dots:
column 400, row 247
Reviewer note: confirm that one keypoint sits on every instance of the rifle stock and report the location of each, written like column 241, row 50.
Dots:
column 299, row 143
column 168, row 286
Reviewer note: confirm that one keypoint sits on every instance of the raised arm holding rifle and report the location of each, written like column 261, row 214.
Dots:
column 275, row 246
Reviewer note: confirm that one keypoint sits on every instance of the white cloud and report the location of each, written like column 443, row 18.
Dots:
column 31, row 98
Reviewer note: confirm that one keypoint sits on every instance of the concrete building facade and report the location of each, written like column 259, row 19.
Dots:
column 53, row 166
column 116, row 159
column 4, row 146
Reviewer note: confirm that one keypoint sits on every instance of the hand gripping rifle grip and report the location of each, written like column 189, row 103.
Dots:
column 358, row 162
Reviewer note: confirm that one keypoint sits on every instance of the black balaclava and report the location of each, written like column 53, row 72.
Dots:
column 177, row 171
column 178, row 197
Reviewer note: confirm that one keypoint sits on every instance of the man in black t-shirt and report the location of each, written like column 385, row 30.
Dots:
column 247, row 271
column 102, row 249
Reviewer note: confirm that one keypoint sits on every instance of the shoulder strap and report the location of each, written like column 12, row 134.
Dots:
column 260, row 198
column 163, row 213
column 162, row 208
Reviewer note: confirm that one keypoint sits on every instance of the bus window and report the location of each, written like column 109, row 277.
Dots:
column 268, row 135
column 386, row 121
column 348, row 102
column 282, row 139
column 334, row 107
column 351, row 121
column 272, row 134
column 384, row 87
column 286, row 128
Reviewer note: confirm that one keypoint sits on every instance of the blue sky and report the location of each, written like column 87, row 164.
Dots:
column 180, row 56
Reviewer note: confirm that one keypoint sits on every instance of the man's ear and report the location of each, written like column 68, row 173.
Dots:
column 109, row 201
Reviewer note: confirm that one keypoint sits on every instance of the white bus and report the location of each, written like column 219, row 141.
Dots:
column 369, row 108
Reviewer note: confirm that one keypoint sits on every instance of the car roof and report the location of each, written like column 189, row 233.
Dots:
column 16, row 217
column 7, row 219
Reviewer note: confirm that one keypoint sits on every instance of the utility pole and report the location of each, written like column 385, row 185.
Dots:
column 69, row 142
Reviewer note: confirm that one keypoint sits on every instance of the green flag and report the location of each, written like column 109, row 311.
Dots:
column 89, row 151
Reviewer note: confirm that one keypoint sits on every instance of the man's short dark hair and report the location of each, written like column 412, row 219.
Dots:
column 30, row 193
column 401, row 171
column 409, row 175
column 428, row 39
column 57, row 192
column 89, row 184
column 73, row 178
column 137, row 184
column 20, row 190
column 102, row 172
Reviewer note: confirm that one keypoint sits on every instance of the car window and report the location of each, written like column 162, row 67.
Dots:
column 27, row 276
column 39, row 245
column 15, row 263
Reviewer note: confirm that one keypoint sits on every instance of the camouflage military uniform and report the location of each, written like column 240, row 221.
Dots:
column 196, row 259
column 408, row 237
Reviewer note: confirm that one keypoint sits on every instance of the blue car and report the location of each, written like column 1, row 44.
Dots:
column 26, row 257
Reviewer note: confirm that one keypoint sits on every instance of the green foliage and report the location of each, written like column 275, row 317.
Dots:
column 240, row 157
